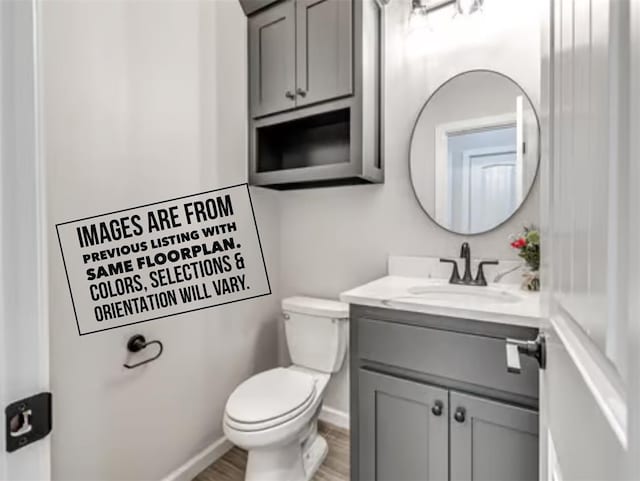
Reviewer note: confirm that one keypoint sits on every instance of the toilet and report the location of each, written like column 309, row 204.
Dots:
column 274, row 414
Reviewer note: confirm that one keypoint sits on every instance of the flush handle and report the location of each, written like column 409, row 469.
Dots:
column 536, row 349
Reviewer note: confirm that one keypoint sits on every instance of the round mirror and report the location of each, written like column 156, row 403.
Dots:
column 474, row 153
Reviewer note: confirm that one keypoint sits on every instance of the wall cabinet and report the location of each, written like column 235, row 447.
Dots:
column 429, row 402
column 272, row 59
column 300, row 53
column 324, row 29
column 314, row 92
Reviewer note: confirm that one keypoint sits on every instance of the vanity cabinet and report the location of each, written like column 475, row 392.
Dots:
column 314, row 92
column 492, row 440
column 431, row 399
column 401, row 438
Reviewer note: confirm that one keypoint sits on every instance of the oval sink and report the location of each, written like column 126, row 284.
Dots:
column 462, row 295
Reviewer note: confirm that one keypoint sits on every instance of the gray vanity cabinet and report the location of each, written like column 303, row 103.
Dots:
column 272, row 59
column 324, row 66
column 432, row 399
column 492, row 441
column 404, row 429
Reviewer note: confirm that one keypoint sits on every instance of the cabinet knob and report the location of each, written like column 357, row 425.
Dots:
column 289, row 95
column 301, row 93
column 460, row 415
column 437, row 408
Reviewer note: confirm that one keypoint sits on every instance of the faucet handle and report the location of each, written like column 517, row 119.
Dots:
column 455, row 275
column 480, row 280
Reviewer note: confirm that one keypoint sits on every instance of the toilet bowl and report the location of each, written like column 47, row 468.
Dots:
column 273, row 415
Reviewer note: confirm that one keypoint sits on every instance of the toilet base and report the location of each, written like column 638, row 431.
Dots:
column 293, row 462
column 314, row 456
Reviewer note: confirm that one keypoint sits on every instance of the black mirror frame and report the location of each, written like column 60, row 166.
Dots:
column 535, row 177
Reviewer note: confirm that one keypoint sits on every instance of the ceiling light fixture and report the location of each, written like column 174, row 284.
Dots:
column 418, row 15
column 467, row 7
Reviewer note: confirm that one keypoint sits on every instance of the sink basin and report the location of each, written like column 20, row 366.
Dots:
column 461, row 295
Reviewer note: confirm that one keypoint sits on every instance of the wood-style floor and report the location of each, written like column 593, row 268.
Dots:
column 231, row 466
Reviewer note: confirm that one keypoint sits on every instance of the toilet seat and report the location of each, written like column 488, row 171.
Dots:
column 270, row 399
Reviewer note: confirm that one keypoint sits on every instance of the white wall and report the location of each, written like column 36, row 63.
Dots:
column 145, row 101
column 335, row 239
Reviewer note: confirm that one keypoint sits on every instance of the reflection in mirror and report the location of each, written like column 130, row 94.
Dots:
column 474, row 152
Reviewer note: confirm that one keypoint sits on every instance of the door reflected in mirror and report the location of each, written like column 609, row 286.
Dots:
column 474, row 152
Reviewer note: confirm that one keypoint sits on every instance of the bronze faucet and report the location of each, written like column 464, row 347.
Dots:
column 467, row 279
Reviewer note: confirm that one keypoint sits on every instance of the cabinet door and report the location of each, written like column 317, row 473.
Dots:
column 492, row 441
column 402, row 434
column 272, row 57
column 324, row 30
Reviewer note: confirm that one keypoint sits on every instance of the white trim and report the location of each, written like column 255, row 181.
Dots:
column 596, row 373
column 553, row 471
column 334, row 416
column 631, row 255
column 200, row 461
column 25, row 85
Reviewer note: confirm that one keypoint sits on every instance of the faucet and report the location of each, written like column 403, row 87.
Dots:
column 467, row 279
column 465, row 253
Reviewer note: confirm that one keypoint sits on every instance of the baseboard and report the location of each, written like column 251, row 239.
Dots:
column 200, row 461
column 335, row 417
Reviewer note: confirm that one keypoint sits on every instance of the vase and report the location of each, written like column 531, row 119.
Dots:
column 531, row 280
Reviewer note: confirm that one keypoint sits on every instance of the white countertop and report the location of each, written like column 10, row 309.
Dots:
column 392, row 292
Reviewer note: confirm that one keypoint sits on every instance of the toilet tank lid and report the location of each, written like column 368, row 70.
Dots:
column 316, row 307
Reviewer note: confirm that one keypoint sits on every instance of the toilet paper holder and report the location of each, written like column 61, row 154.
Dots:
column 136, row 344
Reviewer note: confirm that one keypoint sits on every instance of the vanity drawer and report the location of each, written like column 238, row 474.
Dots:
column 473, row 359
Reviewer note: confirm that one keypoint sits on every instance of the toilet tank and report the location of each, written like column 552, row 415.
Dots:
column 317, row 332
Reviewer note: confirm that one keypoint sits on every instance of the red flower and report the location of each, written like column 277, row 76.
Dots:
column 519, row 243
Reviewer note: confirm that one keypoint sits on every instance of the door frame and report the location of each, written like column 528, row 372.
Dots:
column 633, row 328
column 24, row 321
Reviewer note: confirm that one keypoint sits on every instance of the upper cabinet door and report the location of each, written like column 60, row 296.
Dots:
column 324, row 50
column 403, row 429
column 492, row 441
column 272, row 58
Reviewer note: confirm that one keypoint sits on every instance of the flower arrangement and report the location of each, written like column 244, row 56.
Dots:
column 528, row 245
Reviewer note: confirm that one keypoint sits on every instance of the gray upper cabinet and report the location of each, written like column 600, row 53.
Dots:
column 300, row 53
column 492, row 441
column 315, row 90
column 272, row 59
column 324, row 66
column 403, row 429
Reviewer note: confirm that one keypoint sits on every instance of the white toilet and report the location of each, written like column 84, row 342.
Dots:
column 273, row 415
